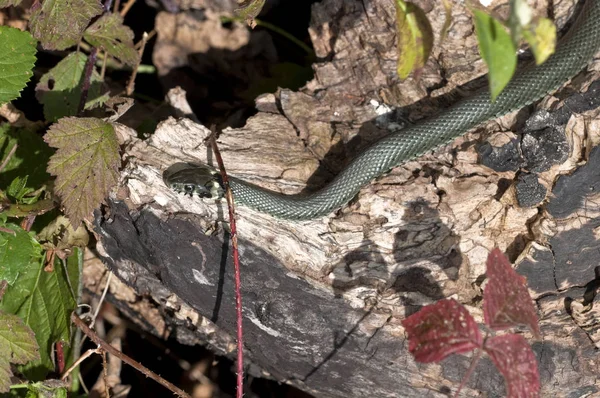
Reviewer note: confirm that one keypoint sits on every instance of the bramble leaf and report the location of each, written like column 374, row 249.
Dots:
column 17, row 56
column 441, row 329
column 85, row 164
column 497, row 50
column 415, row 38
column 44, row 299
column 59, row 90
column 109, row 33
column 18, row 250
column 515, row 359
column 17, row 346
column 506, row 300
column 59, row 24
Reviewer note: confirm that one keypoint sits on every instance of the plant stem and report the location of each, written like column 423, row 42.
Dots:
column 474, row 361
column 236, row 269
column 87, row 79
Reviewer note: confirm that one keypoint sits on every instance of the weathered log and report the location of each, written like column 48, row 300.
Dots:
column 323, row 299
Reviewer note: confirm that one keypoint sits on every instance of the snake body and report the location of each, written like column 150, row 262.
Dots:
column 573, row 53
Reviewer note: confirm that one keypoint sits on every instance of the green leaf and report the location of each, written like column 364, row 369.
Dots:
column 59, row 90
column 31, row 157
column 18, row 250
column 59, row 24
column 541, row 39
column 109, row 33
column 17, row 345
column 18, row 188
column 17, row 56
column 85, row 165
column 47, row 389
column 74, row 270
column 497, row 50
column 415, row 39
column 44, row 299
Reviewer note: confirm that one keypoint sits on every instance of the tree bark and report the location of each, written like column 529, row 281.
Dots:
column 323, row 299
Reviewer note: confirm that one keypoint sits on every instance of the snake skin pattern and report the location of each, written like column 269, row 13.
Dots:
column 573, row 53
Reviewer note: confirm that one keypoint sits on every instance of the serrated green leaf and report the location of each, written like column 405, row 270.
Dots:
column 541, row 39
column 497, row 50
column 109, row 33
column 30, row 159
column 415, row 38
column 18, row 250
column 85, row 164
column 59, row 90
column 17, row 345
column 44, row 299
column 59, row 24
column 17, row 56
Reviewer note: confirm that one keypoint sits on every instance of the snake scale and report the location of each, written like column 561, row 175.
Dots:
column 573, row 53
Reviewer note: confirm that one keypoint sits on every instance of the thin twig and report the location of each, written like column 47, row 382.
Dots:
column 87, row 79
column 104, row 57
column 467, row 376
column 126, row 7
column 131, row 362
column 82, row 358
column 105, row 373
column 131, row 84
column 236, row 268
column 150, row 36
column 10, row 155
column 82, row 382
column 274, row 28
column 106, row 287
column 8, row 231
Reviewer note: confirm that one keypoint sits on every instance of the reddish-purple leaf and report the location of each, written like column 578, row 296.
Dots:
column 506, row 300
column 515, row 359
column 441, row 329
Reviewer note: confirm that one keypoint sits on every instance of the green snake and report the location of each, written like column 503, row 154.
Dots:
column 573, row 53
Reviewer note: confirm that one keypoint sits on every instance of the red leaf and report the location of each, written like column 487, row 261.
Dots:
column 506, row 300
column 441, row 329
column 515, row 359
